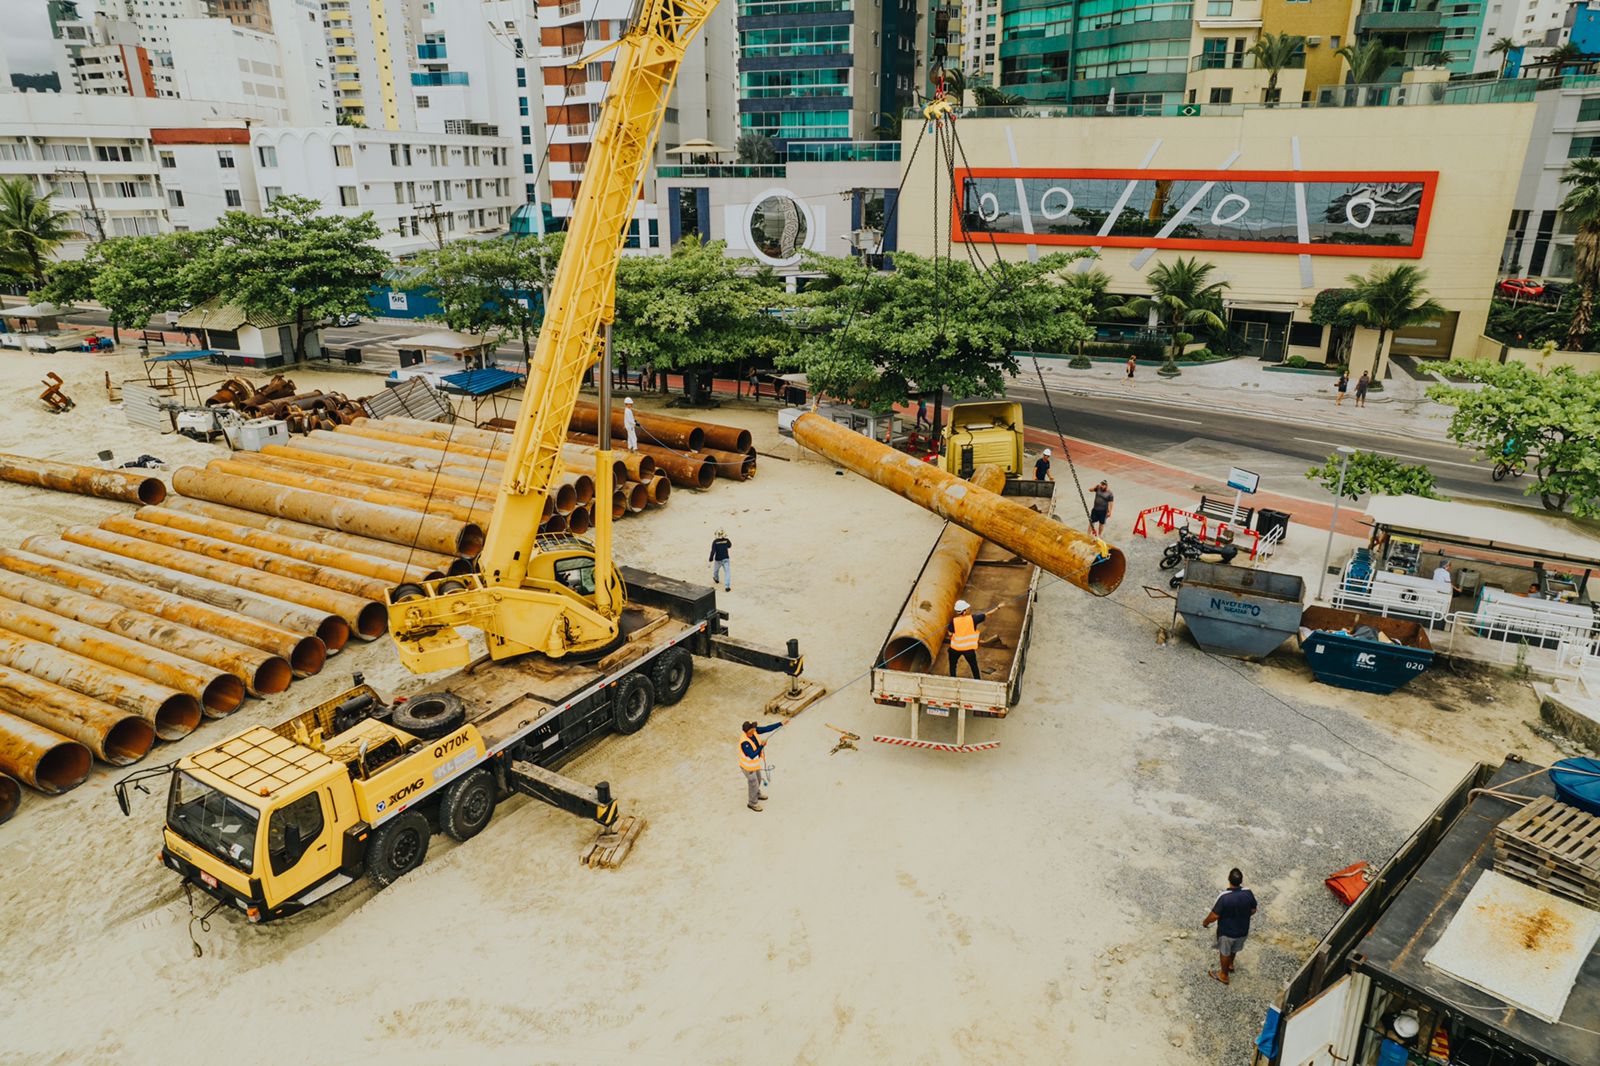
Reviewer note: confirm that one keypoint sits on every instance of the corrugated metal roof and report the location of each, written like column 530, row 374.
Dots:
column 213, row 314
column 1511, row 528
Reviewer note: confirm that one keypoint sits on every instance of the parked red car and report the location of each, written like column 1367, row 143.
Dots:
column 1520, row 287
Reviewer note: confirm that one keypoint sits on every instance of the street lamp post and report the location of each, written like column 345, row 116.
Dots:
column 1327, row 553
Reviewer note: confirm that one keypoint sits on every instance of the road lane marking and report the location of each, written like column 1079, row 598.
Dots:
column 1164, row 418
column 1402, row 455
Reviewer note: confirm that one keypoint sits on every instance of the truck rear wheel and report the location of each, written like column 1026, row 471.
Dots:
column 632, row 702
column 397, row 847
column 671, row 673
column 468, row 804
column 430, row 715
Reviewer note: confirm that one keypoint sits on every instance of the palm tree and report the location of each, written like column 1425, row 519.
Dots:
column 1093, row 283
column 1503, row 47
column 989, row 96
column 1581, row 207
column 755, row 148
column 1566, row 53
column 1181, row 295
column 1368, row 60
column 1387, row 300
column 30, row 228
column 1274, row 51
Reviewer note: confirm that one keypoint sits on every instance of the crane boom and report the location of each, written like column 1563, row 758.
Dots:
column 550, row 594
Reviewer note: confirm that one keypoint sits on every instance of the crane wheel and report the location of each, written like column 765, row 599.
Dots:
column 430, row 715
column 632, row 702
column 468, row 804
column 671, row 673
column 397, row 847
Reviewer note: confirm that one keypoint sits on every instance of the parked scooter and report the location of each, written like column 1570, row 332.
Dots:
column 1190, row 546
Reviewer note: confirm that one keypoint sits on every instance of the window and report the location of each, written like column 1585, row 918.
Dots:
column 1219, row 8
column 405, row 154
column 112, row 153
column 522, row 106
column 394, row 155
column 522, row 78
column 341, row 156
column 422, row 103
column 796, row 41
column 232, row 198
column 782, row 125
column 527, row 163
column 527, row 135
column 1582, row 147
column 225, row 160
column 766, row 84
column 1222, row 96
column 292, row 830
column 347, row 195
column 175, row 197
column 1589, row 110
column 268, row 155
column 168, row 161
column 271, row 193
column 1305, row 335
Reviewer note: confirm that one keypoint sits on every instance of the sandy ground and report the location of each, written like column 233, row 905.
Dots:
column 1036, row 903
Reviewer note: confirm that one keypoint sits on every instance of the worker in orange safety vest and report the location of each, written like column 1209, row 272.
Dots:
column 752, row 759
column 961, row 635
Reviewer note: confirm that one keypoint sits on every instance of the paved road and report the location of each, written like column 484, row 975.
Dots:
column 1150, row 429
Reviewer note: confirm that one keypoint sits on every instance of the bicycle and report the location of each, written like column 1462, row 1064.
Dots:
column 1514, row 467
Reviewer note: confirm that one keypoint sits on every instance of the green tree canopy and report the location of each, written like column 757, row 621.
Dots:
column 1368, row 60
column 1581, row 207
column 138, row 278
column 1549, row 420
column 1371, row 473
column 1387, row 299
column 291, row 261
column 31, row 229
column 488, row 286
column 69, row 281
column 697, row 308
column 875, row 337
column 1274, row 51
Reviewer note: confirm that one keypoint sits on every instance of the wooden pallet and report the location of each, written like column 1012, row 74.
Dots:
column 1548, row 880
column 612, row 845
column 1553, row 846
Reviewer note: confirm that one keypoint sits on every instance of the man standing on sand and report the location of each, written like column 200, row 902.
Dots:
column 631, row 424
column 1100, row 512
column 752, row 759
column 1362, row 384
column 1231, row 913
column 721, row 564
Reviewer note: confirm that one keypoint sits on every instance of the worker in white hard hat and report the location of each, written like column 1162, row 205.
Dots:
column 631, row 424
column 1041, row 467
column 961, row 636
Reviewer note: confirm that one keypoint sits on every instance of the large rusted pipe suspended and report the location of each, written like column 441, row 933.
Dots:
column 218, row 692
column 368, row 619
column 254, row 558
column 117, row 737
column 918, row 634
column 10, row 797
column 735, row 466
column 350, row 516
column 41, row 758
column 1064, row 552
column 173, row 714
column 305, row 655
column 459, row 509
column 327, row 626
column 386, row 570
column 353, row 542
column 690, row 471
column 84, row 480
column 653, row 428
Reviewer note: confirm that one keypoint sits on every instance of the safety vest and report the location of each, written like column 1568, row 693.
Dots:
column 964, row 635
column 746, row 763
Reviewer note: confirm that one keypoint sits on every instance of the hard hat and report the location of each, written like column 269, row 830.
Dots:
column 721, row 533
column 1406, row 1025
column 963, row 605
column 1047, row 451
column 628, row 402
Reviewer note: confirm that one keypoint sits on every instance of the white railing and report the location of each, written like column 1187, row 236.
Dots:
column 1549, row 646
column 1391, row 598
column 1270, row 542
column 568, row 10
column 571, row 51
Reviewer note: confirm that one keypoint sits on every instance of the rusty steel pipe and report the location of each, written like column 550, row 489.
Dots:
column 352, row 542
column 735, row 466
column 918, row 634
column 115, row 736
column 619, row 503
column 42, row 758
column 305, row 655
column 414, row 479
column 556, row 523
column 386, row 482
column 385, row 570
column 368, row 619
column 638, row 497
column 10, row 797
column 1064, row 552
column 327, row 626
column 631, row 466
column 459, row 509
column 580, row 521
column 581, row 457
column 582, row 487
column 173, row 714
column 218, row 691
column 436, row 431
column 84, row 480
column 253, row 558
column 660, row 488
column 415, row 445
column 326, row 442
column 349, row 516
column 690, row 471
column 656, row 429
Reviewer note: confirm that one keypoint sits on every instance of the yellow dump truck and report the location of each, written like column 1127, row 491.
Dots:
column 988, row 431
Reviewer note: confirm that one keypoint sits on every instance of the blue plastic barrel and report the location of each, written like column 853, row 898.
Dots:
column 1577, row 783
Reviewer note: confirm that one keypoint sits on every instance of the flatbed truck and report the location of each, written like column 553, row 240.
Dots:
column 997, row 577
column 280, row 817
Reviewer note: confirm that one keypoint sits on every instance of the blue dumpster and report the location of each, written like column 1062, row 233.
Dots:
column 1343, row 649
column 1234, row 611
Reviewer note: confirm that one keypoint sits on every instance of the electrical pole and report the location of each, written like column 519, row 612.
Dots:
column 432, row 214
column 94, row 210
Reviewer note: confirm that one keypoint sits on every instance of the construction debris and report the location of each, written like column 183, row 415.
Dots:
column 612, row 844
column 54, row 398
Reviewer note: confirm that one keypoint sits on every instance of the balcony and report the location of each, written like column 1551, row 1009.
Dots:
column 437, row 78
column 568, row 10
column 1378, row 16
column 844, row 152
column 431, row 53
column 1238, row 61
column 724, row 170
column 343, row 52
column 345, row 68
column 571, row 51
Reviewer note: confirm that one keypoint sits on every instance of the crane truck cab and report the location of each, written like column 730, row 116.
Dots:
column 988, row 431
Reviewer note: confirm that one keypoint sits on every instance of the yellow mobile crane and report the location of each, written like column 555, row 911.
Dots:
column 277, row 818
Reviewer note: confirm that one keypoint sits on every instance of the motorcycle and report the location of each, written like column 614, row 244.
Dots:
column 1190, row 546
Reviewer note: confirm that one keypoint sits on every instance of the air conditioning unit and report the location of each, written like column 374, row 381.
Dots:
column 1312, row 42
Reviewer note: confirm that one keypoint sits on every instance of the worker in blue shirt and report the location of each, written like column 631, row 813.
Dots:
column 752, row 759
column 1231, row 914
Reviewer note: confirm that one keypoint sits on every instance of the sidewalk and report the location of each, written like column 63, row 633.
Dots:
column 1245, row 387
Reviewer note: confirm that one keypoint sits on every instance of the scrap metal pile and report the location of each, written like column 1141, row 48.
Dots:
column 303, row 411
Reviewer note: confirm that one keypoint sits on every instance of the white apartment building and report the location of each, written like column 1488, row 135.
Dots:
column 980, row 34
column 303, row 54
column 368, row 44
column 422, row 188
column 217, row 62
column 205, row 173
column 1536, row 25
column 103, row 56
column 152, row 18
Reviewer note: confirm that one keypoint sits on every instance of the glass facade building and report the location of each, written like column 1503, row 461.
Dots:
column 1079, row 51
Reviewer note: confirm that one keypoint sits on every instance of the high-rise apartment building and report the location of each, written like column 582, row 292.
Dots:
column 1437, row 34
column 246, row 14
column 814, row 70
column 97, row 55
column 1083, row 51
column 1327, row 26
column 1528, row 24
column 368, row 48
column 152, row 17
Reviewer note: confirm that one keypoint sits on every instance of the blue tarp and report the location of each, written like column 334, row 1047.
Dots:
column 184, row 357
column 481, row 382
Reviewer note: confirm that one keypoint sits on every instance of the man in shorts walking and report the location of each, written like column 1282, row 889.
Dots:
column 1100, row 510
column 1231, row 913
